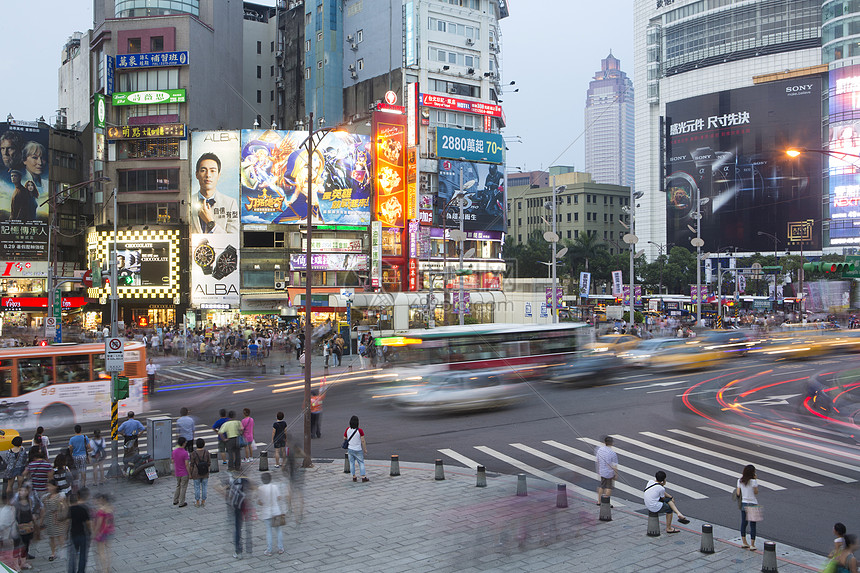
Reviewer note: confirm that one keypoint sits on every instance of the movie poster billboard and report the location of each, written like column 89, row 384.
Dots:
column 726, row 150
column 215, row 270
column 391, row 185
column 274, row 178
column 24, row 190
column 484, row 186
column 844, row 170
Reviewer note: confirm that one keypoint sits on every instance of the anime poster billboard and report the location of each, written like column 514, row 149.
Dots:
column 484, row 187
column 727, row 151
column 24, row 190
column 274, row 178
column 392, row 207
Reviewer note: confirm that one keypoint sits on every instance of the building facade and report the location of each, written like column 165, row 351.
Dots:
column 609, row 125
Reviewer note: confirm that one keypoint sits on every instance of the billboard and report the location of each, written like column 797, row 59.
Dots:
column 143, row 263
column 24, row 190
column 727, row 150
column 214, row 270
column 391, row 179
column 147, row 262
column 215, row 183
column 148, row 97
column 274, row 178
column 844, row 170
column 484, row 185
column 470, row 145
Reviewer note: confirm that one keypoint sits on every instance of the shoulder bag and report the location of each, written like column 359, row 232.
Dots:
column 345, row 444
column 755, row 513
column 737, row 499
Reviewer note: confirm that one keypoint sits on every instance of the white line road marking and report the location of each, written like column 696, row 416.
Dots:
column 741, row 463
column 539, row 473
column 801, row 434
column 822, row 430
column 590, row 456
column 674, row 470
column 696, row 462
column 763, row 456
column 655, row 384
column 469, row 463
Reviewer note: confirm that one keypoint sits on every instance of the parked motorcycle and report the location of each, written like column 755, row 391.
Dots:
column 137, row 465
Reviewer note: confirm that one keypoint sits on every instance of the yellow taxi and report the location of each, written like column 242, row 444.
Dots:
column 6, row 439
column 614, row 343
column 677, row 354
column 796, row 342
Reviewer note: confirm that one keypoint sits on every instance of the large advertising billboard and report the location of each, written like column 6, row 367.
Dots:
column 274, row 178
column 24, row 190
column 727, row 150
column 214, row 270
column 147, row 262
column 844, row 170
column 391, row 149
column 484, row 186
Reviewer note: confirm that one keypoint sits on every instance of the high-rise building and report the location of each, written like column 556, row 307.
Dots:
column 723, row 88
column 609, row 125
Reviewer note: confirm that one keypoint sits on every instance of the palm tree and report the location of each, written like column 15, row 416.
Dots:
column 584, row 247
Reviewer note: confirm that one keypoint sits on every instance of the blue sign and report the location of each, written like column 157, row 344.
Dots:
column 470, row 145
column 153, row 60
column 108, row 75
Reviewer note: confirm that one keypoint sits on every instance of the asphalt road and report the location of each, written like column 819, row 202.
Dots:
column 701, row 427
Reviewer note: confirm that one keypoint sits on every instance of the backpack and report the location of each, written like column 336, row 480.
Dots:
column 236, row 495
column 202, row 464
column 98, row 450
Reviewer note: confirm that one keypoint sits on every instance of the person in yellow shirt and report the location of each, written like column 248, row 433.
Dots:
column 229, row 432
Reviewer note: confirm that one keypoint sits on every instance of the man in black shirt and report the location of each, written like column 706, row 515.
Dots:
column 80, row 528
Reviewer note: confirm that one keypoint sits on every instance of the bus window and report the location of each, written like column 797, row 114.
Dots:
column 73, row 369
column 99, row 372
column 5, row 383
column 35, row 373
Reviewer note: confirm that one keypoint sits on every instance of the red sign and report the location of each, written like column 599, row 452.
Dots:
column 457, row 104
column 388, row 108
column 413, row 274
column 389, row 132
column 390, row 97
column 38, row 302
column 425, row 216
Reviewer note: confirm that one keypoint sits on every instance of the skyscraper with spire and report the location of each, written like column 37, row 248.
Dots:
column 609, row 125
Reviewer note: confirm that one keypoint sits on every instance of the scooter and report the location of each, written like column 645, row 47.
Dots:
column 137, row 465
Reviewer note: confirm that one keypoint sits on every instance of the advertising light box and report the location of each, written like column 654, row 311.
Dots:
column 148, row 97
column 484, row 186
column 470, row 145
column 843, row 170
column 726, row 151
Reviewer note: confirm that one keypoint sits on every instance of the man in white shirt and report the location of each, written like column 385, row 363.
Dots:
column 150, row 376
column 211, row 210
column 657, row 500
column 607, row 468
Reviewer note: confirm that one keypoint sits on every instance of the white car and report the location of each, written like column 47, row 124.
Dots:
column 461, row 391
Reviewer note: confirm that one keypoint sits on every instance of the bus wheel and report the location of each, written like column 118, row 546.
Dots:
column 56, row 416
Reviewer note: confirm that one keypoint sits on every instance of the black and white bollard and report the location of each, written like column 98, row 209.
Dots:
column 440, row 471
column 482, row 477
column 561, row 496
column 346, row 463
column 707, row 539
column 282, row 369
column 395, row 465
column 264, row 461
column 213, row 464
column 605, row 508
column 768, row 562
column 522, row 491
column 653, row 524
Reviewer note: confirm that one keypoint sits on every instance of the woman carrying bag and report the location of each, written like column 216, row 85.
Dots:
column 751, row 511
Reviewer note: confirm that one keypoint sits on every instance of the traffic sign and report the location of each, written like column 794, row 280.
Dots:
column 114, row 354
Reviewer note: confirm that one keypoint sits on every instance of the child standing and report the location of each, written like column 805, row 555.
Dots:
column 103, row 529
column 98, row 457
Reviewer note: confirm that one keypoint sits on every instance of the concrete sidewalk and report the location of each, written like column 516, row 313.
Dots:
column 411, row 523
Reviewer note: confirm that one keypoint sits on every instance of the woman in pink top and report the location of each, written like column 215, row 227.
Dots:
column 248, row 435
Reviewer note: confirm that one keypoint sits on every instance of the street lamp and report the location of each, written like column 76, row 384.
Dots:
column 775, row 242
column 552, row 238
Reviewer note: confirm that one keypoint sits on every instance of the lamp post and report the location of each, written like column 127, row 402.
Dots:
column 552, row 238
column 660, row 249
column 456, row 197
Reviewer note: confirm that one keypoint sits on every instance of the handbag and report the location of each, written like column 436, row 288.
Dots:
column 755, row 513
column 26, row 528
column 345, row 444
column 737, row 499
column 279, row 520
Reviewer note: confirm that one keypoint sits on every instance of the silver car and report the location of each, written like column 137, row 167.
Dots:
column 461, row 391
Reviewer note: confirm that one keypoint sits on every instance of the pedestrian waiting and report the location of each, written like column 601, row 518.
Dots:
column 658, row 501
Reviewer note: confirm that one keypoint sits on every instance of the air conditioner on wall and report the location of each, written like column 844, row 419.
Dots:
column 470, row 42
column 280, row 285
column 351, row 67
column 354, row 75
column 349, row 38
column 353, row 46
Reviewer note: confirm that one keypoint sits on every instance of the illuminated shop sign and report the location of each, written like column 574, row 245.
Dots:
column 146, row 131
column 333, row 245
column 390, row 160
column 148, row 97
column 470, row 145
column 39, row 302
column 23, row 269
column 457, row 104
column 147, row 262
column 151, row 60
column 329, row 262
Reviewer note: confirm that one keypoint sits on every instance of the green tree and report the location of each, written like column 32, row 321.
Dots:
column 527, row 256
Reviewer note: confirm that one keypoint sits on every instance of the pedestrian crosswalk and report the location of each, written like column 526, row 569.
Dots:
column 701, row 462
column 189, row 375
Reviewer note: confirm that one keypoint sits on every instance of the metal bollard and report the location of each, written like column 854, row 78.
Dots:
column 653, row 524
column 707, row 539
column 768, row 562
column 522, row 491
column 282, row 369
column 264, row 461
column 482, row 477
column 605, row 508
column 395, row 465
column 440, row 471
column 346, row 463
column 213, row 464
column 263, row 366
column 561, row 495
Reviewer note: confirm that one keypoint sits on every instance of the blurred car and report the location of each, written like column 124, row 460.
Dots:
column 673, row 354
column 732, row 342
column 461, row 391
column 6, row 439
column 614, row 343
column 796, row 344
column 589, row 367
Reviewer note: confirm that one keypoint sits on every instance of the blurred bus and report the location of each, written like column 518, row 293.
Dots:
column 527, row 350
column 63, row 384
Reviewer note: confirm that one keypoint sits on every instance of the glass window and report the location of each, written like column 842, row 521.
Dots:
column 259, row 47
column 73, row 369
column 359, row 36
column 134, row 45
column 156, row 44
column 34, row 373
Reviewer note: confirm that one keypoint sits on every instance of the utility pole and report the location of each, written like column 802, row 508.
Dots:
column 462, row 302
column 114, row 332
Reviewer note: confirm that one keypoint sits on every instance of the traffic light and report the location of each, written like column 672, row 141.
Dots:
column 125, row 280
column 121, row 390
column 830, row 267
column 842, row 267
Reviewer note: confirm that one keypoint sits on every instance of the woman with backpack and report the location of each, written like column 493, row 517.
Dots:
column 15, row 460
column 98, row 456
column 200, row 460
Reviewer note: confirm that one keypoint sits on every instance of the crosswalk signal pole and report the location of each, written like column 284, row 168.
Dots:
column 114, row 332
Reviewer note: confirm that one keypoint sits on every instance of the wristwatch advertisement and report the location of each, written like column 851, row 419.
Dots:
column 214, row 276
